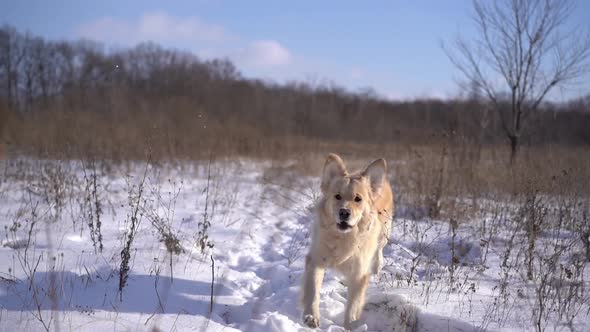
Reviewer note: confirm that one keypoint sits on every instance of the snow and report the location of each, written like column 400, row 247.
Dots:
column 260, row 233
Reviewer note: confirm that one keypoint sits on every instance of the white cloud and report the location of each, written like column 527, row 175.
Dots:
column 206, row 40
column 264, row 53
column 155, row 26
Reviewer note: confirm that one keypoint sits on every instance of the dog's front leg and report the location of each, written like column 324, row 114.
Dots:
column 312, row 283
column 356, row 299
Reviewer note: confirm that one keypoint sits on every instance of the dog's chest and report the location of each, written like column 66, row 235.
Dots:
column 337, row 247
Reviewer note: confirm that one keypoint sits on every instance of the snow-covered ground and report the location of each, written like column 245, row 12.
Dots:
column 247, row 277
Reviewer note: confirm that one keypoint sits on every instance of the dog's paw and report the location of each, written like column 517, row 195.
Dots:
column 311, row 321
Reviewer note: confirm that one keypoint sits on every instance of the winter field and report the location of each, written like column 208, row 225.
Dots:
column 220, row 246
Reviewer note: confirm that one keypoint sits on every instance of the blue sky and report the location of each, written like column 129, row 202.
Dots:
column 391, row 46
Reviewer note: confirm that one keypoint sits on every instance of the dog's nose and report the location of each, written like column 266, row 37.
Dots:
column 344, row 214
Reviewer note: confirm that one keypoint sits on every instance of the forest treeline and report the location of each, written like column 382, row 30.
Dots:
column 80, row 97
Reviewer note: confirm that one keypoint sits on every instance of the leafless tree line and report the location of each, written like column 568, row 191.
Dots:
column 70, row 97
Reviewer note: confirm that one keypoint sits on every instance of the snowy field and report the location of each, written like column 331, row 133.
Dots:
column 220, row 247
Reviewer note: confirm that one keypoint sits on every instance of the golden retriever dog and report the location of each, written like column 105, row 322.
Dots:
column 352, row 225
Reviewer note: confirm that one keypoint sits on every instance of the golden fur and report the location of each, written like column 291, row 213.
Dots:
column 353, row 247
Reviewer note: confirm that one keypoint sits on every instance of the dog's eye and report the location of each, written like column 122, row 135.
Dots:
column 358, row 199
column 338, row 197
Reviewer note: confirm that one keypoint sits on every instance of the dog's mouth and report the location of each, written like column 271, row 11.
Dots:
column 343, row 226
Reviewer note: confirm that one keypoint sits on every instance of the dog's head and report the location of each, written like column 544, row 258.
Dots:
column 348, row 197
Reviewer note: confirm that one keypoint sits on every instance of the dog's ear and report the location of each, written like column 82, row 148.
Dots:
column 333, row 167
column 375, row 173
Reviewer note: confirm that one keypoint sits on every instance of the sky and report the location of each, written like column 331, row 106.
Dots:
column 392, row 47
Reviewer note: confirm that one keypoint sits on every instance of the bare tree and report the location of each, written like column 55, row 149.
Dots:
column 523, row 50
column 12, row 52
